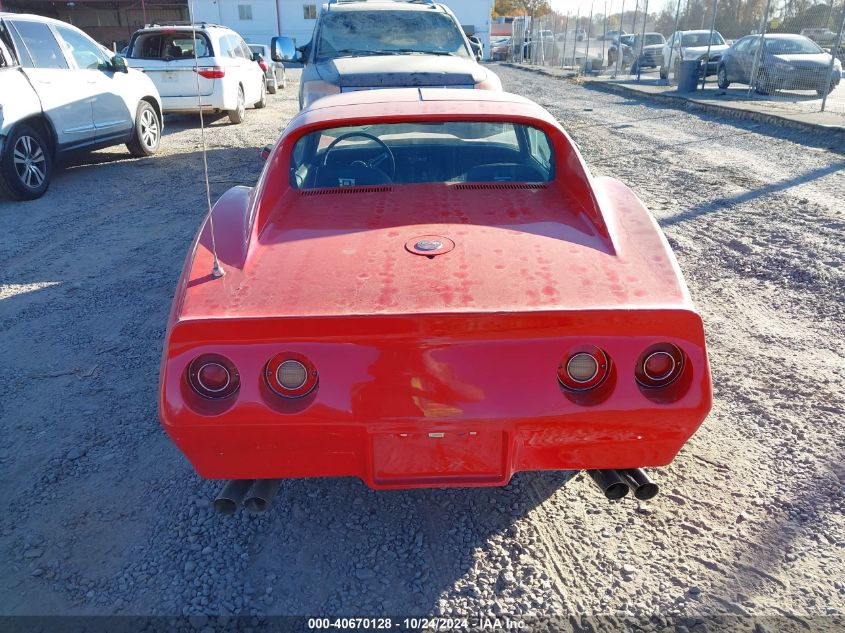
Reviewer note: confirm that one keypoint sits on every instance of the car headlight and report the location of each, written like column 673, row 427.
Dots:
column 317, row 89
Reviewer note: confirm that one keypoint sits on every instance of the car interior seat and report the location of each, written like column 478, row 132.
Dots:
column 346, row 176
column 505, row 172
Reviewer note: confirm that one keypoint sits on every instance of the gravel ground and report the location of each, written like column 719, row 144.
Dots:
column 103, row 515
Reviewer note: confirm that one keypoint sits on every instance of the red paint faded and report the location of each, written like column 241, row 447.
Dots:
column 433, row 371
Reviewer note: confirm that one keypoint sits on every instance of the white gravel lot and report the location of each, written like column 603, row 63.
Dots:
column 102, row 515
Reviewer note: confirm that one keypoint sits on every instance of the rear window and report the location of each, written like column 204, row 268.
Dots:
column 701, row 39
column 355, row 33
column 792, row 46
column 407, row 153
column 168, row 45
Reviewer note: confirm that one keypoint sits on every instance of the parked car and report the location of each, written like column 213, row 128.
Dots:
column 822, row 36
column 229, row 79
column 580, row 34
column 787, row 62
column 611, row 35
column 61, row 92
column 373, row 320
column 274, row 72
column 691, row 46
column 363, row 45
column 500, row 48
column 638, row 51
column 477, row 47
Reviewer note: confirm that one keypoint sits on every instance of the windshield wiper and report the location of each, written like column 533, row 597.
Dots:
column 418, row 52
column 348, row 52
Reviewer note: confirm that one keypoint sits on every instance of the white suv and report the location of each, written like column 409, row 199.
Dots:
column 60, row 91
column 225, row 74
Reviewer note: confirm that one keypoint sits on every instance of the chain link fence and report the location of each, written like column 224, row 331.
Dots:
column 776, row 54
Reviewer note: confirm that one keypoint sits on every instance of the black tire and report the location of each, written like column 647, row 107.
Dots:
column 272, row 87
column 722, row 78
column 284, row 83
column 826, row 90
column 147, row 135
column 262, row 102
column 764, row 84
column 26, row 166
column 664, row 73
column 237, row 115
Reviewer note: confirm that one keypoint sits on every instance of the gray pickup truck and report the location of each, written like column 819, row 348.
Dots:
column 367, row 44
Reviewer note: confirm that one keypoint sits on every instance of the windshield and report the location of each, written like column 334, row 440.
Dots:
column 169, row 45
column 406, row 153
column 355, row 33
column 653, row 38
column 792, row 46
column 701, row 39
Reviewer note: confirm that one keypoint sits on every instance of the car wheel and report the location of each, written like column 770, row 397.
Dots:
column 147, row 134
column 237, row 115
column 826, row 89
column 664, row 74
column 284, row 83
column 722, row 78
column 27, row 166
column 271, row 88
column 263, row 100
column 764, row 84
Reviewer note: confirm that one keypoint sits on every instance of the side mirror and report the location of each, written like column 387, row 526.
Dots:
column 282, row 49
column 265, row 153
column 476, row 49
column 118, row 64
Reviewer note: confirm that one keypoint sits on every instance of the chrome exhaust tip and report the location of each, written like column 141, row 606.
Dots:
column 231, row 495
column 261, row 495
column 643, row 485
column 610, row 482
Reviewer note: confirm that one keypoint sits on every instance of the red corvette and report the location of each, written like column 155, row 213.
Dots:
column 428, row 288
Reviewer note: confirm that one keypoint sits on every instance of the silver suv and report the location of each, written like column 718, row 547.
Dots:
column 360, row 44
column 60, row 92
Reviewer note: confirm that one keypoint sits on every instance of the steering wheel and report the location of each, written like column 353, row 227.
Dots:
column 372, row 163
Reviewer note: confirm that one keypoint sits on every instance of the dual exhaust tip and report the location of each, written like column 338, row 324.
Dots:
column 256, row 495
column 615, row 484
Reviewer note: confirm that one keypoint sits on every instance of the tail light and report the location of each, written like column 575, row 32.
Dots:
column 660, row 365
column 584, row 369
column 213, row 376
column 211, row 72
column 291, row 375
column 263, row 65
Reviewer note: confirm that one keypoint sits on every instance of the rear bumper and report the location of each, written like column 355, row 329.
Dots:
column 435, row 401
column 425, row 454
column 192, row 103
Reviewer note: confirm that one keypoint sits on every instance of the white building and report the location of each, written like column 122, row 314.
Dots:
column 259, row 20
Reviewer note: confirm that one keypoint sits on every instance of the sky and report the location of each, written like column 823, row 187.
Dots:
column 613, row 6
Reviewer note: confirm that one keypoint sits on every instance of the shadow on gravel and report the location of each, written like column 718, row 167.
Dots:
column 720, row 204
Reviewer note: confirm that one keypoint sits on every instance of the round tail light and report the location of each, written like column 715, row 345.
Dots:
column 213, row 376
column 584, row 369
column 291, row 375
column 660, row 365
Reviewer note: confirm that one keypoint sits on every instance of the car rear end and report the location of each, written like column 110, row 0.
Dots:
column 265, row 63
column 166, row 55
column 437, row 400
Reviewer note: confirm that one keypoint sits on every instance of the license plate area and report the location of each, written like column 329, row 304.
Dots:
column 440, row 458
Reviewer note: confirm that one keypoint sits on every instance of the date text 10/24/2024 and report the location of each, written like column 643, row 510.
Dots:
column 415, row 624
